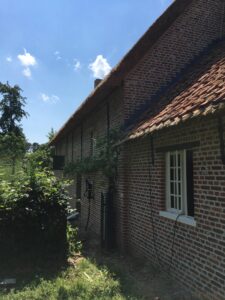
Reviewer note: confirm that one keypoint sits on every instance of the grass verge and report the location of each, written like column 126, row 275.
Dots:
column 82, row 281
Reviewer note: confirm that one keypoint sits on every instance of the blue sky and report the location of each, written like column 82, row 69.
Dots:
column 53, row 49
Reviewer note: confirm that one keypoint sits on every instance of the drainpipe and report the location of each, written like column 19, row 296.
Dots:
column 221, row 139
column 72, row 145
column 81, row 142
column 108, row 118
column 222, row 20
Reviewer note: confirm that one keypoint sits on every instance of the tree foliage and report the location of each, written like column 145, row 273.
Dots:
column 40, row 155
column 40, row 159
column 12, row 138
column 11, row 109
column 51, row 134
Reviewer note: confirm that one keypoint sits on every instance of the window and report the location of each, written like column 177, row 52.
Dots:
column 179, row 182
column 176, row 181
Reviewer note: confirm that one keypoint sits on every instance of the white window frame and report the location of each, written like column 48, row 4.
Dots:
column 183, row 180
column 180, row 216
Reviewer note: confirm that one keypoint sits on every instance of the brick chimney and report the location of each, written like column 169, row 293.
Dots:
column 97, row 81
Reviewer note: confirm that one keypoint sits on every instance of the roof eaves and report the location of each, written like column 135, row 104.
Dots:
column 127, row 63
column 212, row 109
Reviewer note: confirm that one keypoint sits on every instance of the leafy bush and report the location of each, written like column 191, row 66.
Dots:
column 33, row 212
column 40, row 158
column 74, row 245
column 105, row 158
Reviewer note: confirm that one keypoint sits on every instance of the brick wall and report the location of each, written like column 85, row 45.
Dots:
column 198, row 261
column 191, row 32
column 71, row 147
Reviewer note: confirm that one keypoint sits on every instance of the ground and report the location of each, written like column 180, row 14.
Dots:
column 138, row 278
column 93, row 275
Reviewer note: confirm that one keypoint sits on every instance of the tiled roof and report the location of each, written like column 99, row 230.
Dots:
column 116, row 76
column 200, row 91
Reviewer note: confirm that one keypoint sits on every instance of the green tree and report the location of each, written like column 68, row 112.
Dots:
column 12, row 138
column 40, row 156
column 11, row 108
column 51, row 134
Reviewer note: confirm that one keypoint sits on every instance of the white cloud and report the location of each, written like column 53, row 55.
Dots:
column 27, row 60
column 27, row 72
column 100, row 67
column 77, row 65
column 9, row 59
column 49, row 99
column 44, row 97
column 57, row 55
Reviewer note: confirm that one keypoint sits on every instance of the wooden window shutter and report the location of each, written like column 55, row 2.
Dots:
column 190, row 183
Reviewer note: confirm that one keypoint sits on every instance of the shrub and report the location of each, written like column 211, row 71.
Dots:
column 33, row 212
column 74, row 245
column 40, row 158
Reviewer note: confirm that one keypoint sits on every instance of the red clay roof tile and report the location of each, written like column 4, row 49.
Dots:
column 200, row 91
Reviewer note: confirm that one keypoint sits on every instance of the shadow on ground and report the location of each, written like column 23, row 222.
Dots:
column 138, row 279
column 28, row 270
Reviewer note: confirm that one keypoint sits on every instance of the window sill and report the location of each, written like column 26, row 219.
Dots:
column 182, row 219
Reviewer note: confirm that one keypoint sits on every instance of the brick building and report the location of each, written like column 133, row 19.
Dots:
column 168, row 96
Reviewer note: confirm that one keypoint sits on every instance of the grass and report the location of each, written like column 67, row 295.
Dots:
column 85, row 280
column 108, row 277
column 94, row 276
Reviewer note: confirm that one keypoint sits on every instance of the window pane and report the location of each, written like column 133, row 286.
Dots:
column 178, row 159
column 179, row 188
column 175, row 180
column 172, row 160
column 175, row 188
column 172, row 201
column 179, row 203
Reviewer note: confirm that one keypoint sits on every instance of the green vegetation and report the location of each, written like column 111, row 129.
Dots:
column 12, row 138
column 33, row 212
column 6, row 169
column 33, row 203
column 85, row 281
column 105, row 158
column 35, row 238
